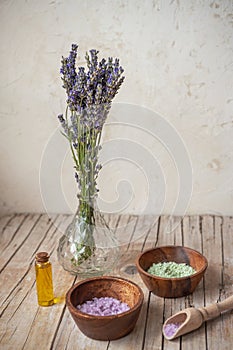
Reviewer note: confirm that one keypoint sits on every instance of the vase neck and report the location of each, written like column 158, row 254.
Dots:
column 86, row 208
column 87, row 201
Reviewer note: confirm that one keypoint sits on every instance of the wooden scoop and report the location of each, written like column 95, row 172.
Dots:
column 191, row 318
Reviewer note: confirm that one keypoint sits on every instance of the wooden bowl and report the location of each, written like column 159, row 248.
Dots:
column 171, row 287
column 105, row 327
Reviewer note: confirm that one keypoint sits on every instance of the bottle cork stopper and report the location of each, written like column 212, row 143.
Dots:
column 42, row 257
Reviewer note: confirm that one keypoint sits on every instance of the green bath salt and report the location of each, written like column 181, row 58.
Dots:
column 171, row 269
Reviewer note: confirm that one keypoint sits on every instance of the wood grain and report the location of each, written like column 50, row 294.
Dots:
column 25, row 325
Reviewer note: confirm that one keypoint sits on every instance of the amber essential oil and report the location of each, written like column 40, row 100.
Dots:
column 44, row 281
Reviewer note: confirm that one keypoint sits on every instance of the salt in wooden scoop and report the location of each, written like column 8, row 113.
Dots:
column 191, row 318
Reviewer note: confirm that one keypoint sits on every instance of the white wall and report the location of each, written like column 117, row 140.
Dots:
column 178, row 64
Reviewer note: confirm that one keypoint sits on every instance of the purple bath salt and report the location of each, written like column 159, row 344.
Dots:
column 104, row 306
column 171, row 328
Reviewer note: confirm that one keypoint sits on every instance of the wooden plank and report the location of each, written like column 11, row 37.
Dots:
column 212, row 249
column 70, row 337
column 128, row 254
column 9, row 227
column 5, row 221
column 170, row 233
column 17, row 240
column 227, row 281
column 149, row 227
column 112, row 221
column 172, row 306
column 125, row 229
column 135, row 339
column 141, row 237
column 193, row 238
column 61, row 338
column 153, row 338
column 151, row 236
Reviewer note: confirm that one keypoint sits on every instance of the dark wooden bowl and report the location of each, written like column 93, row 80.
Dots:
column 171, row 287
column 105, row 327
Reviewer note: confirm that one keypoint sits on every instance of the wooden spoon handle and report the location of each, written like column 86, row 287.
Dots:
column 214, row 310
column 226, row 304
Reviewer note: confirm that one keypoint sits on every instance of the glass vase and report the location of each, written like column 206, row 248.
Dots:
column 89, row 246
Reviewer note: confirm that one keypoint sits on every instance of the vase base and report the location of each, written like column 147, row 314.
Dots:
column 87, row 250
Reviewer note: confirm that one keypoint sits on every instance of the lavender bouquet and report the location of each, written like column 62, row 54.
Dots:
column 89, row 96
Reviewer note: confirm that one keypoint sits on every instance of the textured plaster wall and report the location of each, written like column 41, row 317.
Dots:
column 178, row 60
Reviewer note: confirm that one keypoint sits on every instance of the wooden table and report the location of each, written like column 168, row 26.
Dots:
column 25, row 325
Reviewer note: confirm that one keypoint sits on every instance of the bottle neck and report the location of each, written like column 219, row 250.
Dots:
column 42, row 257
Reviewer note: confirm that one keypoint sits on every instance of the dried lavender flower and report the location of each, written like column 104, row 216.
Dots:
column 89, row 97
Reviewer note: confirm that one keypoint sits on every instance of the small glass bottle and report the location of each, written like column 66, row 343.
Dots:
column 44, row 282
